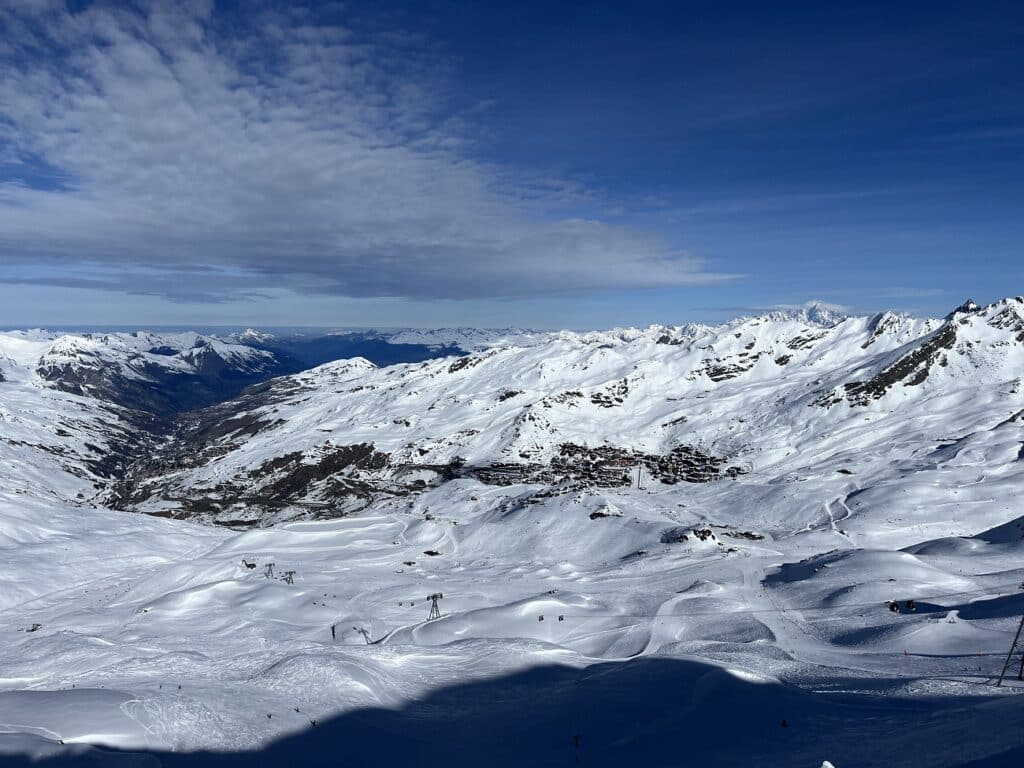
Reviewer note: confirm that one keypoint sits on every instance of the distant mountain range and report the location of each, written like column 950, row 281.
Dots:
column 231, row 430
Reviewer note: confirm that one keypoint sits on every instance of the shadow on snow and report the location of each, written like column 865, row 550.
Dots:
column 645, row 712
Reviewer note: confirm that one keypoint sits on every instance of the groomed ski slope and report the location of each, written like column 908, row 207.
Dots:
column 688, row 647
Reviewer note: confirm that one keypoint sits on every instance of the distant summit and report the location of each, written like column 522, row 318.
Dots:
column 966, row 307
column 820, row 313
column 817, row 313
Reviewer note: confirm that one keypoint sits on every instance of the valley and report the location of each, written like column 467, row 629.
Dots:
column 656, row 540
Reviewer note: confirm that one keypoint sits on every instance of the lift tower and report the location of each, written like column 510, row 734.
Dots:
column 435, row 612
column 1013, row 647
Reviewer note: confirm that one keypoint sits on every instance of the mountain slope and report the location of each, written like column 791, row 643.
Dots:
column 743, row 591
column 76, row 407
column 159, row 374
column 752, row 400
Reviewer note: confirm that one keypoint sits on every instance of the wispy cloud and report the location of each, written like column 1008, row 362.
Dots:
column 288, row 153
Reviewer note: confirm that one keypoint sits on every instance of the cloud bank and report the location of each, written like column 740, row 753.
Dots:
column 167, row 149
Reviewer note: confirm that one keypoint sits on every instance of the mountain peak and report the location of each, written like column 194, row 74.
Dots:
column 821, row 313
column 967, row 306
column 812, row 313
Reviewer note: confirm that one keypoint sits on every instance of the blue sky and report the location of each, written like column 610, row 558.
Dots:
column 543, row 164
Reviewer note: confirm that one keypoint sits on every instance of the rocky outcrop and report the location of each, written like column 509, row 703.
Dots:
column 160, row 382
column 911, row 369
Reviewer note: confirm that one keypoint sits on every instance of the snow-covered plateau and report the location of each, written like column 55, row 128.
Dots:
column 671, row 546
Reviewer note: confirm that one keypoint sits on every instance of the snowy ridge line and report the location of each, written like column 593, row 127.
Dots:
column 823, row 609
column 998, row 654
column 749, row 398
column 741, row 611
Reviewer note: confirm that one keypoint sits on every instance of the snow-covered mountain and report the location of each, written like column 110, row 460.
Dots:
column 152, row 372
column 468, row 339
column 765, row 397
column 679, row 530
column 77, row 407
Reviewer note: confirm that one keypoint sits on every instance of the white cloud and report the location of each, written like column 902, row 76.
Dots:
column 283, row 153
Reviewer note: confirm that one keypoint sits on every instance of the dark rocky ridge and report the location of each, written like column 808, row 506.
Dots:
column 911, row 369
column 914, row 366
column 154, row 392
